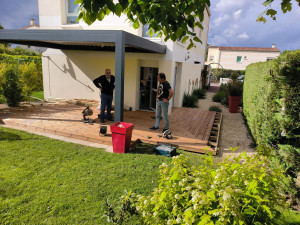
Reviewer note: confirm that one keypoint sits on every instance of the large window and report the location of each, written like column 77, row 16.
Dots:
column 72, row 11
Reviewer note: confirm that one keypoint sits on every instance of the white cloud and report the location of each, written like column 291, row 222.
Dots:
column 243, row 36
column 217, row 22
column 237, row 14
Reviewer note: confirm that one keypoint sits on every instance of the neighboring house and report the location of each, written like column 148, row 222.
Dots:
column 238, row 58
column 68, row 74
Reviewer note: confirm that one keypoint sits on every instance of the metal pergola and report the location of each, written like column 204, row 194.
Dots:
column 117, row 41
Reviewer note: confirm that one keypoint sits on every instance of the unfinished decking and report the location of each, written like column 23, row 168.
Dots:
column 191, row 128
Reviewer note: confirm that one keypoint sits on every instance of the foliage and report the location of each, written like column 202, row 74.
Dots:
column 200, row 93
column 46, row 181
column 218, row 97
column 235, row 88
column 225, row 73
column 175, row 19
column 286, row 5
column 28, row 74
column 215, row 108
column 12, row 89
column 271, row 106
column 189, row 101
column 204, row 74
column 244, row 190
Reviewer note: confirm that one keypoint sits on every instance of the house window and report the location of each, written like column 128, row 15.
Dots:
column 270, row 58
column 146, row 31
column 239, row 59
column 211, row 58
column 245, row 57
column 72, row 11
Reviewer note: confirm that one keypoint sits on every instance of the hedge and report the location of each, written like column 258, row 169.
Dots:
column 272, row 104
column 225, row 73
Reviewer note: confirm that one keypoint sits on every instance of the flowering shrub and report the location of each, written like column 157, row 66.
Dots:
column 242, row 190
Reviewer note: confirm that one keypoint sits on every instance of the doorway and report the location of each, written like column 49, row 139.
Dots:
column 148, row 88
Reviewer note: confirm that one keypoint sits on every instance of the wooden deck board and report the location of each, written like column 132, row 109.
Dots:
column 190, row 127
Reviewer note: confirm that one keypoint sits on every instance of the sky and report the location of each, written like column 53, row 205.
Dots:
column 232, row 23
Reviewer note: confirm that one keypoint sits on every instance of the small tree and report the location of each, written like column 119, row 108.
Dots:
column 12, row 89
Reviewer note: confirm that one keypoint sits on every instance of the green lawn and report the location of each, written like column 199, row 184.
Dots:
column 38, row 94
column 45, row 181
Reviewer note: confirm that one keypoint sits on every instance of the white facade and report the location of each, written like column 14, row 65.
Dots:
column 238, row 58
column 68, row 74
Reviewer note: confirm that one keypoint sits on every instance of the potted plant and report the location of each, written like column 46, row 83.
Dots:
column 235, row 91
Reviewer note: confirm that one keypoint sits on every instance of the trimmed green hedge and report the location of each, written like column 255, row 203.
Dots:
column 224, row 73
column 272, row 104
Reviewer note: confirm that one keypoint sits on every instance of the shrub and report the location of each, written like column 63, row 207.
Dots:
column 29, row 77
column 12, row 89
column 200, row 93
column 218, row 96
column 223, row 87
column 235, row 88
column 2, row 99
column 244, row 190
column 189, row 101
column 224, row 73
column 215, row 108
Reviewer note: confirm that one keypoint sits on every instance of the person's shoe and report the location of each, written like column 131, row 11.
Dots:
column 102, row 120
column 164, row 130
column 110, row 119
column 154, row 128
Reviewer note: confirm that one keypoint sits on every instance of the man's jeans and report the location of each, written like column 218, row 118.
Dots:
column 162, row 107
column 106, row 101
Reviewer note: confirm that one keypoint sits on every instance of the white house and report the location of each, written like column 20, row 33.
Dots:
column 68, row 74
column 238, row 58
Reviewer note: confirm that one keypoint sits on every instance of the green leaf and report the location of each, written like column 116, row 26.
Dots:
column 266, row 3
column 118, row 9
column 184, row 39
column 101, row 15
column 136, row 24
column 286, row 6
column 211, row 195
column 197, row 39
column 271, row 12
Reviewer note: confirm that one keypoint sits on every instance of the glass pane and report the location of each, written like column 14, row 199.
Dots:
column 72, row 19
column 71, row 7
column 239, row 59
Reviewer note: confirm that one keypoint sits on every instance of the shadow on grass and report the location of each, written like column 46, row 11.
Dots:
column 144, row 148
column 8, row 136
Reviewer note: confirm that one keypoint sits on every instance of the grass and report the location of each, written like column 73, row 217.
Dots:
column 45, row 181
column 38, row 94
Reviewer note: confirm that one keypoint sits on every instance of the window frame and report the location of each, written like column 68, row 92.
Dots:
column 69, row 15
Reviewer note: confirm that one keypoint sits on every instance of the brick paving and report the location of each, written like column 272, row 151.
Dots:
column 190, row 127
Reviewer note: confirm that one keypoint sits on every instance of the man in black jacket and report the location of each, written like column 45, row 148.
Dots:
column 106, row 84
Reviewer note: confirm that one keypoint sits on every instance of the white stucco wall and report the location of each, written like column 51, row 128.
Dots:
column 229, row 58
column 69, row 74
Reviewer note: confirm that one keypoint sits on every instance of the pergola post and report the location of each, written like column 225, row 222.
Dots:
column 119, row 75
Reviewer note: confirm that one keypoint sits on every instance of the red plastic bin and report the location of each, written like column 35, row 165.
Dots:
column 121, row 136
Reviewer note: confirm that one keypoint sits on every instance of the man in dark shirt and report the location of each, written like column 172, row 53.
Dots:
column 106, row 84
column 164, row 94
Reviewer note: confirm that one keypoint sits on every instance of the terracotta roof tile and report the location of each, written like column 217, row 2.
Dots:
column 246, row 49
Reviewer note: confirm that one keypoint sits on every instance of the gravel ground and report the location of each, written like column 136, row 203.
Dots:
column 233, row 129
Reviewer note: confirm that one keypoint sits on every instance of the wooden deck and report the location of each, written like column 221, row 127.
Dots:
column 191, row 128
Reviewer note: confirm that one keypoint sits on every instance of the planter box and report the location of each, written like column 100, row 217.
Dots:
column 234, row 103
